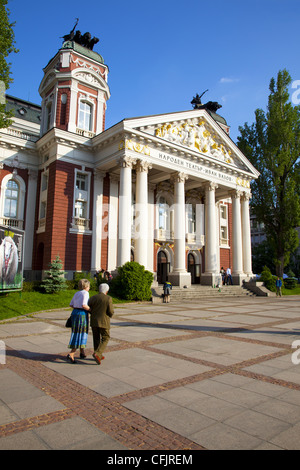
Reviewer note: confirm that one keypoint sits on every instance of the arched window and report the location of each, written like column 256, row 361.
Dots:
column 85, row 116
column 11, row 199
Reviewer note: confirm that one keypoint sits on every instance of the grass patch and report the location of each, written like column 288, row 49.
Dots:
column 295, row 291
column 14, row 304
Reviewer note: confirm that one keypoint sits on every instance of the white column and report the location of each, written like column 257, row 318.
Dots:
column 113, row 223
column 211, row 267
column 97, row 220
column 246, row 234
column 179, row 276
column 179, row 222
column 30, row 216
column 141, row 213
column 151, row 209
column 124, row 239
column 237, row 248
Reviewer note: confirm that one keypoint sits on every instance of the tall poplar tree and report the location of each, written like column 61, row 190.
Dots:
column 272, row 144
column 7, row 42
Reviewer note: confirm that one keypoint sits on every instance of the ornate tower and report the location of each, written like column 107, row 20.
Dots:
column 74, row 89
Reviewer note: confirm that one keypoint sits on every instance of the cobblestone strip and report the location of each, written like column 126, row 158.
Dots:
column 35, row 421
column 129, row 428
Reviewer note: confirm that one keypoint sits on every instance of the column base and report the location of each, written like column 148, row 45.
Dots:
column 180, row 279
column 211, row 279
column 238, row 279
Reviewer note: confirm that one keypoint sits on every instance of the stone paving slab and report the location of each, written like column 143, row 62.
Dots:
column 215, row 374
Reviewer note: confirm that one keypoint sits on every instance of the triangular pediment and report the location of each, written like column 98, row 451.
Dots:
column 197, row 132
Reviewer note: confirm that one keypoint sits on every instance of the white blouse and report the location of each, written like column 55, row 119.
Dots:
column 79, row 299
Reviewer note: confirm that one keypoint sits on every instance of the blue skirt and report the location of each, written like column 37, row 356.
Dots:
column 80, row 328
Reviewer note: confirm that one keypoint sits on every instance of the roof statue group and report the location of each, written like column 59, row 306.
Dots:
column 87, row 41
column 212, row 106
column 84, row 40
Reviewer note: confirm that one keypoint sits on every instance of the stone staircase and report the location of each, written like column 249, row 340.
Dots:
column 196, row 292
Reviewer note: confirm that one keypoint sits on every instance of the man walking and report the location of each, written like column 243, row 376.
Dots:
column 101, row 311
column 278, row 287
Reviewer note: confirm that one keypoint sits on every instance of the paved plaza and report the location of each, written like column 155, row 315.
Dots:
column 207, row 374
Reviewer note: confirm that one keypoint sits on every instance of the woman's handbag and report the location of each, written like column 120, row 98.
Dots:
column 69, row 323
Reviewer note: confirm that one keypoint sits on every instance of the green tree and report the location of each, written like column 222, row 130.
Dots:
column 55, row 280
column 7, row 42
column 272, row 144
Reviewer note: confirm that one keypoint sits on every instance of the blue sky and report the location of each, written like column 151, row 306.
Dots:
column 161, row 53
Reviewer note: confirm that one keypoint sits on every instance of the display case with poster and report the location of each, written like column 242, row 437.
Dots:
column 11, row 258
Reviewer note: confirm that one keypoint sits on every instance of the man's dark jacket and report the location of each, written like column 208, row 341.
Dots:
column 101, row 310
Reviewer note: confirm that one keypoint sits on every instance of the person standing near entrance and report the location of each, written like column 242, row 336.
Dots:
column 278, row 287
column 101, row 312
column 228, row 276
column 167, row 291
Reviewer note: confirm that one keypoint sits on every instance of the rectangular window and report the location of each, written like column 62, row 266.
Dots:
column 81, row 181
column 44, row 182
column 80, row 220
column 43, row 210
column 191, row 218
column 224, row 225
column 85, row 116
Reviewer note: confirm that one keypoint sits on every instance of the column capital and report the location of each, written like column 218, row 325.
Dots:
column 210, row 186
column 98, row 174
column 246, row 196
column 33, row 174
column 114, row 178
column 127, row 162
column 179, row 177
column 142, row 165
column 235, row 194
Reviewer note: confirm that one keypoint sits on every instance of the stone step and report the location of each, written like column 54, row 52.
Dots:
column 199, row 292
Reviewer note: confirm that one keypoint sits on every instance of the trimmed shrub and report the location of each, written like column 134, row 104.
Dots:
column 133, row 282
column 268, row 280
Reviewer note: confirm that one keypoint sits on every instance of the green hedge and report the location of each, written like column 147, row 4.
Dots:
column 268, row 279
column 133, row 282
column 290, row 283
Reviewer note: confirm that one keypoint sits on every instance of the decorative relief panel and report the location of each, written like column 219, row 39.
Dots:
column 88, row 78
column 82, row 63
column 197, row 137
column 136, row 146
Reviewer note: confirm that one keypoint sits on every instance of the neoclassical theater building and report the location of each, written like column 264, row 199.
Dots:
column 170, row 191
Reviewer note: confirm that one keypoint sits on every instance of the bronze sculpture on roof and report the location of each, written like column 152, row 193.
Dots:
column 84, row 40
column 212, row 106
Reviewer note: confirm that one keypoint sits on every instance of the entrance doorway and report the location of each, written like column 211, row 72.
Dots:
column 194, row 269
column 163, row 267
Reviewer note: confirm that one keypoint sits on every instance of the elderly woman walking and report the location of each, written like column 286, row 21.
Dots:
column 80, row 323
